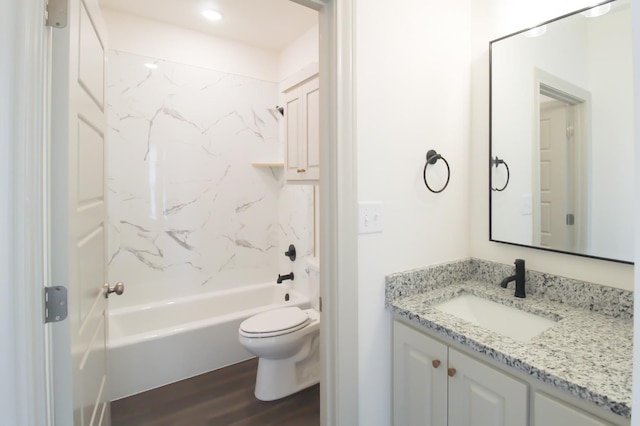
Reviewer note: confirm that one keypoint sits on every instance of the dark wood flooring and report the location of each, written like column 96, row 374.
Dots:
column 221, row 397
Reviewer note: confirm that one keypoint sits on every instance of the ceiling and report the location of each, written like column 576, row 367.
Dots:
column 271, row 24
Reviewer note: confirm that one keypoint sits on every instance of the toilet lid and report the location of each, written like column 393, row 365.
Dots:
column 277, row 320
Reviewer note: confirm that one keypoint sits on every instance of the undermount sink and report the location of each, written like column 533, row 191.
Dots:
column 508, row 321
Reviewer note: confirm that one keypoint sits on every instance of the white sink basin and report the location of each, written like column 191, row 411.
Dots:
column 508, row 321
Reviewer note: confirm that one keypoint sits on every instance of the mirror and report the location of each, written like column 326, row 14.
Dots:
column 561, row 165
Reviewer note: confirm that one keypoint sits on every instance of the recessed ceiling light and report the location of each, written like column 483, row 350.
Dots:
column 151, row 66
column 594, row 12
column 536, row 32
column 212, row 15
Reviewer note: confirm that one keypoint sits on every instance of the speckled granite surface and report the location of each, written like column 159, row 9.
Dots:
column 588, row 353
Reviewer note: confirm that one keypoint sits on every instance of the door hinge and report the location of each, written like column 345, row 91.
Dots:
column 55, row 303
column 56, row 13
column 320, row 305
column 570, row 131
column 570, row 219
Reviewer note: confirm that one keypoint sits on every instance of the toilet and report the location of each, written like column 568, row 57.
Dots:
column 286, row 342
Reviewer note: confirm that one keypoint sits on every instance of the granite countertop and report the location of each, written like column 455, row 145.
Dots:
column 587, row 353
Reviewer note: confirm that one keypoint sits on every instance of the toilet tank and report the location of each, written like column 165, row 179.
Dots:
column 312, row 268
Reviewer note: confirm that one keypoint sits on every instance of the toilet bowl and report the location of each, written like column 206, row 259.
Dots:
column 286, row 342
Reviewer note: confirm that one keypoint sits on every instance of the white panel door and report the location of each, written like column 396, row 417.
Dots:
column 549, row 411
column 553, row 182
column 78, row 219
column 482, row 396
column 419, row 378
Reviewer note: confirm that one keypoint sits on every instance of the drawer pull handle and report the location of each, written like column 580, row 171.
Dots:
column 451, row 372
column 435, row 363
column 301, row 170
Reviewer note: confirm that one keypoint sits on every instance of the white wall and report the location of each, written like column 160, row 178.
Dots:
column 610, row 74
column 635, row 10
column 299, row 53
column 134, row 34
column 491, row 19
column 8, row 363
column 412, row 95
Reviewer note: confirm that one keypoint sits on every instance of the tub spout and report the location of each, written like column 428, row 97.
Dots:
column 284, row 277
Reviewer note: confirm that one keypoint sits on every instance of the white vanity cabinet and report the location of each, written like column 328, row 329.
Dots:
column 419, row 378
column 549, row 411
column 302, row 131
column 435, row 384
column 438, row 385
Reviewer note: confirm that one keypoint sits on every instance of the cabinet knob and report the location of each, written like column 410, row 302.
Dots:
column 301, row 170
column 435, row 363
column 451, row 372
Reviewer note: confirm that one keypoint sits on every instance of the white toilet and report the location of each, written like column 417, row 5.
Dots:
column 286, row 342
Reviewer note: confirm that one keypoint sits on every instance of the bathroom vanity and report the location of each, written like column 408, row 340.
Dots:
column 453, row 371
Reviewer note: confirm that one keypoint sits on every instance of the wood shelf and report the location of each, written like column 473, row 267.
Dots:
column 267, row 164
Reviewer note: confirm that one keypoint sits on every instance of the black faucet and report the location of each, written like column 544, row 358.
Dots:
column 518, row 277
column 284, row 277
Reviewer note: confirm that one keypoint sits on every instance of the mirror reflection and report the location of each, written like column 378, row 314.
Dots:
column 562, row 135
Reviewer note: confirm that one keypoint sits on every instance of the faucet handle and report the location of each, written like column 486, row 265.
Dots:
column 291, row 253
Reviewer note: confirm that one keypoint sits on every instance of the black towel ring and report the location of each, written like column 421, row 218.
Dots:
column 432, row 158
column 496, row 162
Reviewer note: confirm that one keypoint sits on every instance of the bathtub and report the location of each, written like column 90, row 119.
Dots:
column 160, row 343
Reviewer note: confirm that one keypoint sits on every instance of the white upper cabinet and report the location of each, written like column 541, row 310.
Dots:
column 302, row 131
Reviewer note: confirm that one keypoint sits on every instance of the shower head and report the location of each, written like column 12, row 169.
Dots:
column 274, row 111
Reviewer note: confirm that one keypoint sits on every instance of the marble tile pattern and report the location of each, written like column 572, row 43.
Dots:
column 588, row 353
column 187, row 211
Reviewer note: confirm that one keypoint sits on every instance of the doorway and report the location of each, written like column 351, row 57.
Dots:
column 560, row 156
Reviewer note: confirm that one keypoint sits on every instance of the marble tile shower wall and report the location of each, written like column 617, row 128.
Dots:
column 187, row 211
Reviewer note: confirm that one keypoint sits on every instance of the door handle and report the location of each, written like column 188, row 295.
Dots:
column 117, row 289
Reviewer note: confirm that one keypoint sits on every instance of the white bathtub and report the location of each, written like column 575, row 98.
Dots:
column 160, row 343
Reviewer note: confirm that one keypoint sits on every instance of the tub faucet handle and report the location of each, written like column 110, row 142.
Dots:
column 291, row 253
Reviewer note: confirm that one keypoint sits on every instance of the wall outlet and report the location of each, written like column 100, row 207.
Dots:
column 370, row 218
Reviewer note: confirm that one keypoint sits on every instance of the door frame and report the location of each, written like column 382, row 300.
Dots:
column 581, row 100
column 27, row 247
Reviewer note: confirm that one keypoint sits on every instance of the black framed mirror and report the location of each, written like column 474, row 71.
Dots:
column 561, row 146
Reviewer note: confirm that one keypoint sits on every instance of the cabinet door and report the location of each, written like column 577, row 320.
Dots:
column 482, row 396
column 310, row 149
column 419, row 378
column 302, row 131
column 549, row 411
column 293, row 114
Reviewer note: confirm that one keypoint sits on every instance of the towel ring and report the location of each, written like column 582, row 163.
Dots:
column 496, row 162
column 432, row 158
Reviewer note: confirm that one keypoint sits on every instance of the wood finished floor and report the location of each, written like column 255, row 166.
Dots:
column 221, row 397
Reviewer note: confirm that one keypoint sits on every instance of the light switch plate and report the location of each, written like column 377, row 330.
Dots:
column 370, row 218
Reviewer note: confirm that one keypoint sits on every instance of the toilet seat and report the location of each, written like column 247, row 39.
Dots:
column 275, row 322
